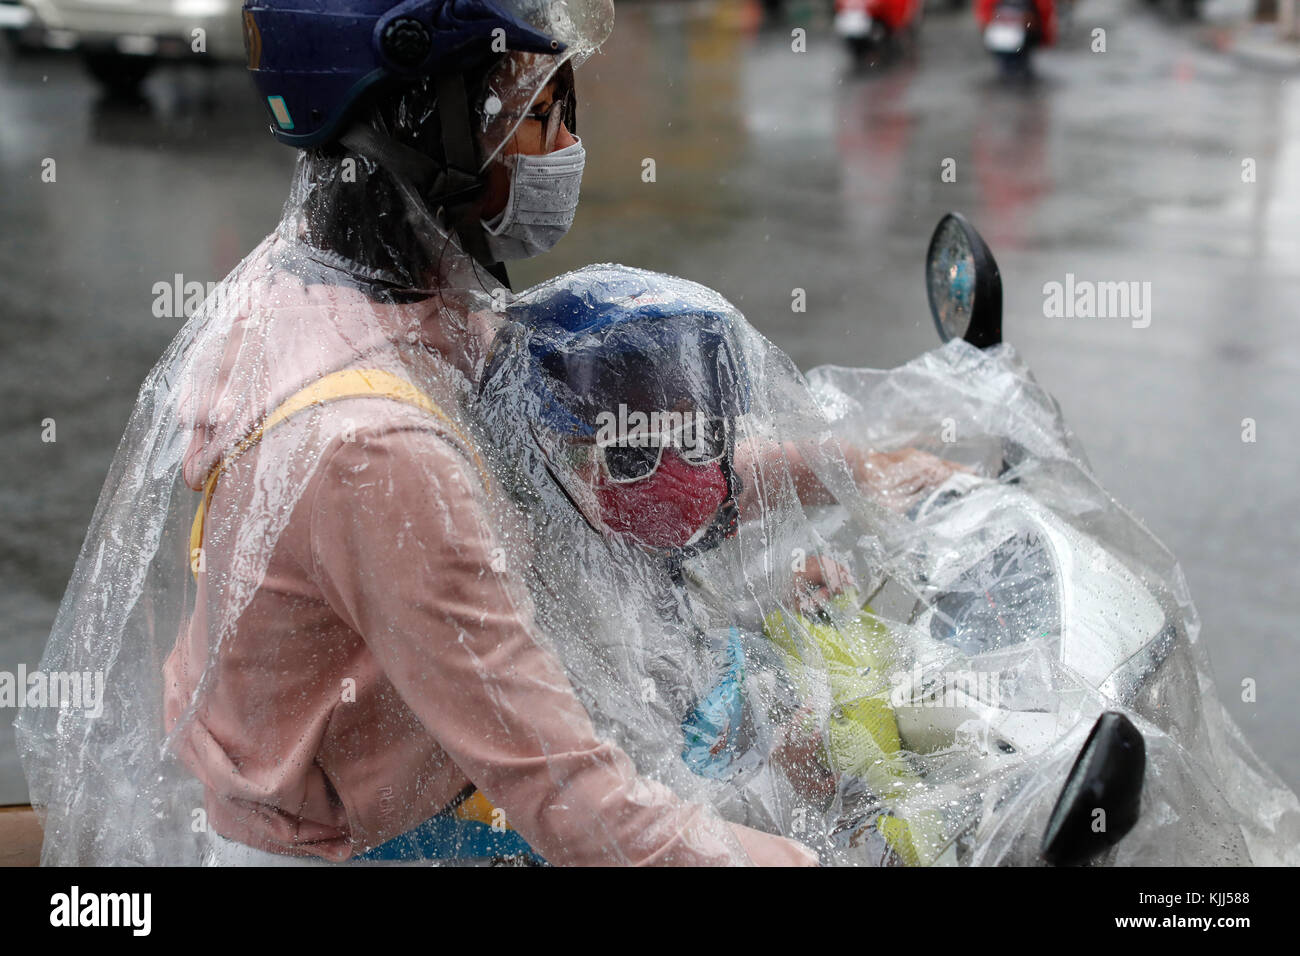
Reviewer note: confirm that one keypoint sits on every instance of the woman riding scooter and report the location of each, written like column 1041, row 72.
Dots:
column 299, row 581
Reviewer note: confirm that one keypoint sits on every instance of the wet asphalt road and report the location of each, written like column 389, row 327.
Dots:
column 775, row 170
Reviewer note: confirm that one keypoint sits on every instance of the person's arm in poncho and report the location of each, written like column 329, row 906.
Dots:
column 404, row 549
column 894, row 478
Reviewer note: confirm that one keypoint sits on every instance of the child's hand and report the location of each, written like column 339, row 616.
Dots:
column 820, row 580
column 799, row 757
column 898, row 478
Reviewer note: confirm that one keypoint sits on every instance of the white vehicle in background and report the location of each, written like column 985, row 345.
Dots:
column 122, row 40
column 20, row 26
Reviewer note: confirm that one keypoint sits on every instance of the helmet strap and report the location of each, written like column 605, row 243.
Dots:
column 461, row 182
column 397, row 158
column 453, row 186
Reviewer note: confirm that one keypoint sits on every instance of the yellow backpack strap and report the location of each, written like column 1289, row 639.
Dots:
column 348, row 383
column 479, row 809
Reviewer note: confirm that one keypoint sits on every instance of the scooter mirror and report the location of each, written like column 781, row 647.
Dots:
column 1105, row 784
column 963, row 284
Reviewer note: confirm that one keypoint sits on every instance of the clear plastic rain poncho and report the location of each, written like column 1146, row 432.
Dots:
column 393, row 566
column 970, row 623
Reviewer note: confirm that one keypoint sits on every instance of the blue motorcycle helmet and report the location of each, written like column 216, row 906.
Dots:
column 455, row 79
column 587, row 353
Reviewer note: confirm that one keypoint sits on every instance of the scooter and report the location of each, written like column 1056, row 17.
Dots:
column 999, row 582
column 1013, row 29
column 877, row 30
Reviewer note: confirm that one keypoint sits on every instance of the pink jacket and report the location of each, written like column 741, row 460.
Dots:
column 383, row 576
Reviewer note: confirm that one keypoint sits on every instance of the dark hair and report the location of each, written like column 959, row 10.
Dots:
column 365, row 220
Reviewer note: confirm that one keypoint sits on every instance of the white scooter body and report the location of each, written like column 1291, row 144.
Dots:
column 1105, row 625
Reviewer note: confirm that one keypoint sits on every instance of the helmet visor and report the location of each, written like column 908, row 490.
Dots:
column 514, row 84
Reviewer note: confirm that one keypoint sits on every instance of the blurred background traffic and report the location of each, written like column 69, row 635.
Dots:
column 760, row 147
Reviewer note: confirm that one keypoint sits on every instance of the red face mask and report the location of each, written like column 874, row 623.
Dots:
column 667, row 509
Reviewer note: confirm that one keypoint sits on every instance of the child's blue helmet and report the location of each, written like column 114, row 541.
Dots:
column 606, row 336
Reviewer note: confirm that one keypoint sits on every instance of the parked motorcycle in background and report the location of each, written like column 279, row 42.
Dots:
column 877, row 31
column 1012, row 29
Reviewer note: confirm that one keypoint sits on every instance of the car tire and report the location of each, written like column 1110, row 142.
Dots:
column 118, row 74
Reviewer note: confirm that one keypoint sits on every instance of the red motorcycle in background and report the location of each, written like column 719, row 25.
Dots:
column 1012, row 29
column 875, row 30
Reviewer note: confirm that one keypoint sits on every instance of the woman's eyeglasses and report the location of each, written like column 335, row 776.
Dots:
column 551, row 117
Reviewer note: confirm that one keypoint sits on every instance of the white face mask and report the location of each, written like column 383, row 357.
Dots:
column 543, row 199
